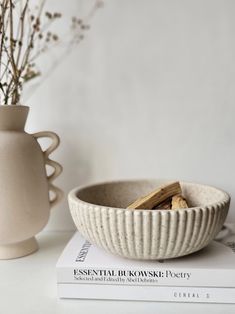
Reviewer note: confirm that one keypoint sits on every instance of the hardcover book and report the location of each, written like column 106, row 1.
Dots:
column 86, row 271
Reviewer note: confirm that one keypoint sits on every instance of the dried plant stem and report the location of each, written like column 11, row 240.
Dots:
column 2, row 28
column 31, row 41
column 24, row 36
column 21, row 27
column 15, row 77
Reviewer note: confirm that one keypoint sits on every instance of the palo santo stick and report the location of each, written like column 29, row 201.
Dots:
column 178, row 202
column 164, row 205
column 157, row 196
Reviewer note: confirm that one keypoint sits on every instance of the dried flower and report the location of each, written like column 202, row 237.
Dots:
column 24, row 36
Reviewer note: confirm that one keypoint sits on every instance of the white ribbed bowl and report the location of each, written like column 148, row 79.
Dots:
column 100, row 215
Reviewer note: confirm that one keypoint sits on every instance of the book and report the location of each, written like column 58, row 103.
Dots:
column 86, row 271
column 83, row 262
column 150, row 293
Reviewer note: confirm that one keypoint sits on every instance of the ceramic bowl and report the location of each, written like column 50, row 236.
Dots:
column 100, row 215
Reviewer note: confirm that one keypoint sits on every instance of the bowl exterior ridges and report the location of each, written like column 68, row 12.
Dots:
column 148, row 234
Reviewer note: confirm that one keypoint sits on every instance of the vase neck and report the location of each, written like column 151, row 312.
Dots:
column 13, row 118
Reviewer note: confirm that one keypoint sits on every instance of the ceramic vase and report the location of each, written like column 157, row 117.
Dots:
column 24, row 184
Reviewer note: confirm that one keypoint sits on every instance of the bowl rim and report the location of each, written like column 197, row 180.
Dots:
column 72, row 195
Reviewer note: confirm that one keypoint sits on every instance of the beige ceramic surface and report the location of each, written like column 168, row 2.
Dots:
column 24, row 184
column 100, row 214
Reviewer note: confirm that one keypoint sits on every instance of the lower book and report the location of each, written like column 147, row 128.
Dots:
column 147, row 293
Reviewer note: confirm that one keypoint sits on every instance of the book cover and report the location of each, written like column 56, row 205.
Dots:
column 84, row 263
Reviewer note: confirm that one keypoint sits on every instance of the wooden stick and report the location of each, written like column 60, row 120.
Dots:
column 157, row 196
column 164, row 205
column 178, row 202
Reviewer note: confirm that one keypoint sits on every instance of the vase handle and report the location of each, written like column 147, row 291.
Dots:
column 57, row 167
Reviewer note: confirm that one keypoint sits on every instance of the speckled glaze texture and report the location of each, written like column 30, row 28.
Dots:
column 100, row 215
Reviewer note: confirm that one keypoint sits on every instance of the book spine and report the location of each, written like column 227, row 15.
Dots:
column 150, row 293
column 150, row 277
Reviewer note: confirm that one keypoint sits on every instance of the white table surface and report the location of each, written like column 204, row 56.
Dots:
column 28, row 285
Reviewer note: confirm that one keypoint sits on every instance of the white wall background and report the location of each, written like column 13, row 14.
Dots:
column 149, row 93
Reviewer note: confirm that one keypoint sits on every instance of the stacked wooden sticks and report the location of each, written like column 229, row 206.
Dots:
column 164, row 197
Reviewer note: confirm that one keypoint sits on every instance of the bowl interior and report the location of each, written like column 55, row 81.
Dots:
column 122, row 193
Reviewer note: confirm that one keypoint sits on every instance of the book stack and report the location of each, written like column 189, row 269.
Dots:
column 85, row 271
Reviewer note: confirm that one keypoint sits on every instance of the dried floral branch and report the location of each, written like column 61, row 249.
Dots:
column 24, row 36
column 2, row 28
column 21, row 30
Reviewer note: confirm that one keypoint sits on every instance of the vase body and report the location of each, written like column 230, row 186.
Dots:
column 24, row 185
